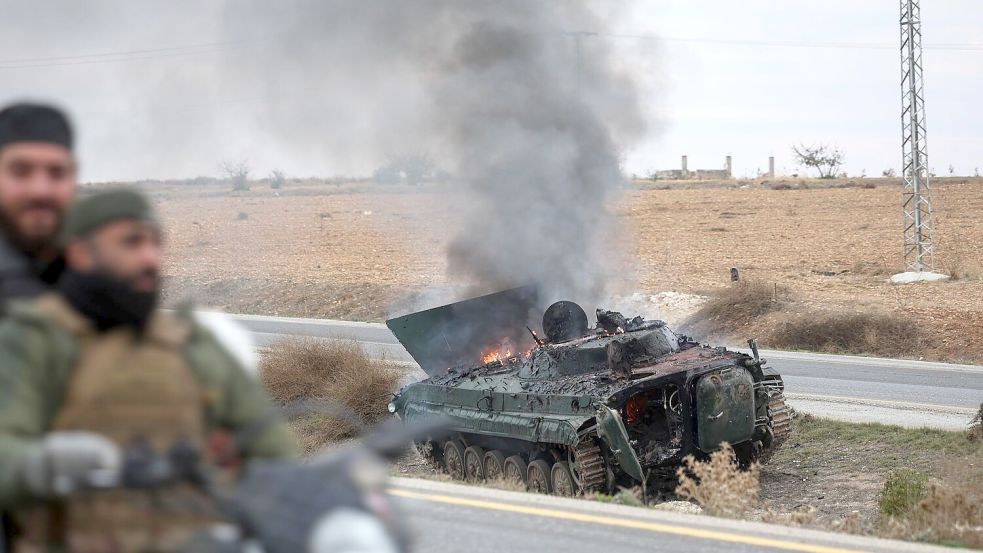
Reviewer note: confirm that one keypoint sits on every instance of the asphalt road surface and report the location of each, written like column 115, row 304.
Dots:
column 454, row 518
column 892, row 391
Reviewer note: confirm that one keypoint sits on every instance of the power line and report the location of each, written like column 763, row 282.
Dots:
column 123, row 53
column 966, row 47
column 128, row 55
column 110, row 60
column 145, row 54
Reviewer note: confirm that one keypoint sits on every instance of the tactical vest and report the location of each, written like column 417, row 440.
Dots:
column 125, row 387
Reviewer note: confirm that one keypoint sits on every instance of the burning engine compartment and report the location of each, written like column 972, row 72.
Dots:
column 582, row 408
column 654, row 423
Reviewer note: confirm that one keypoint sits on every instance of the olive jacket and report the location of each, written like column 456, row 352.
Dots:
column 37, row 360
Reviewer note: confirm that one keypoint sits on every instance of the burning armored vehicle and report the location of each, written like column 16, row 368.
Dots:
column 581, row 409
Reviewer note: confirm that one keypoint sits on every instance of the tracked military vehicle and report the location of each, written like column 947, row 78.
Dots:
column 581, row 409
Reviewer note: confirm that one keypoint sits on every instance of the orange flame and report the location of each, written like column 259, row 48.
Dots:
column 493, row 356
column 500, row 353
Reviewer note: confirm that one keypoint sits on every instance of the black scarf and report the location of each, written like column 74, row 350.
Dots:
column 107, row 301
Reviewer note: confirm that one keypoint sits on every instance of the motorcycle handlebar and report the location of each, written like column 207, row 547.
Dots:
column 391, row 439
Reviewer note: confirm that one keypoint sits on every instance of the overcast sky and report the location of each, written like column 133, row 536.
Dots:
column 720, row 77
column 752, row 101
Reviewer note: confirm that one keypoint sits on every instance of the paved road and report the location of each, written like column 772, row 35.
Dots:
column 453, row 518
column 893, row 391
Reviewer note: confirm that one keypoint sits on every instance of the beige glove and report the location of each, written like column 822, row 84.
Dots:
column 65, row 461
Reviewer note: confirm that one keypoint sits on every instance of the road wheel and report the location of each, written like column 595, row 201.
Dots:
column 494, row 465
column 474, row 469
column 538, row 477
column 562, row 479
column 454, row 459
column 514, row 470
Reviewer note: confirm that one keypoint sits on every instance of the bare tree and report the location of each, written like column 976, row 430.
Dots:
column 237, row 172
column 277, row 179
column 825, row 159
column 889, row 172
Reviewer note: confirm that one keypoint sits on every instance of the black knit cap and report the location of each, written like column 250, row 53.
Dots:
column 101, row 208
column 34, row 123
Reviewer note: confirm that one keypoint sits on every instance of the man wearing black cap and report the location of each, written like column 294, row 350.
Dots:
column 37, row 184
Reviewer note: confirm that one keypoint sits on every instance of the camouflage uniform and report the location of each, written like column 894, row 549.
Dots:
column 172, row 381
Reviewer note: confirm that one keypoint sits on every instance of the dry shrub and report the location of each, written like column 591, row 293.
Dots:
column 976, row 426
column 740, row 302
column 872, row 333
column 848, row 524
column 952, row 265
column 340, row 372
column 718, row 484
column 950, row 511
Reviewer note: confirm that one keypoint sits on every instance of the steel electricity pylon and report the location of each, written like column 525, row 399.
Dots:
column 917, row 202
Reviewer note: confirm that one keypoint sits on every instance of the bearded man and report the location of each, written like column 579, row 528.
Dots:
column 37, row 185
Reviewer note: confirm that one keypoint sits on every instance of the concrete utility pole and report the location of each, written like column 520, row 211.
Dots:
column 916, row 197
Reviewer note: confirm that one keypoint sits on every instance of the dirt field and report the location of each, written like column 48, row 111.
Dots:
column 361, row 251
column 835, row 468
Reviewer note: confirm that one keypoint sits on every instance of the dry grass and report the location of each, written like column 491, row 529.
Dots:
column 786, row 324
column 340, row 372
column 739, row 303
column 505, row 484
column 949, row 510
column 802, row 515
column 849, row 523
column 961, row 265
column 872, row 269
column 718, row 485
column 884, row 334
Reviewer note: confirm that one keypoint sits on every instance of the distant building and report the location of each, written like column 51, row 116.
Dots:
column 684, row 172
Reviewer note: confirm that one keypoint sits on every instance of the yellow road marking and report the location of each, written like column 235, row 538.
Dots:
column 623, row 523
